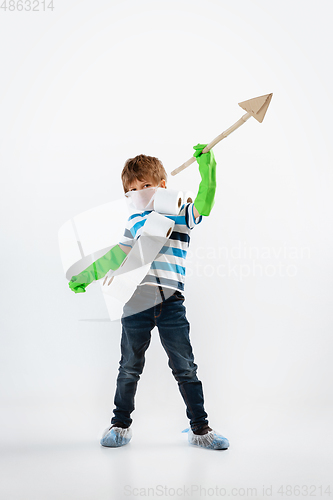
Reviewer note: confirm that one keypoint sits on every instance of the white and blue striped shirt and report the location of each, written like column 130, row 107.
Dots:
column 168, row 269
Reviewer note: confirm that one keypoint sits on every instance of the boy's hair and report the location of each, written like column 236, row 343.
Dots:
column 142, row 167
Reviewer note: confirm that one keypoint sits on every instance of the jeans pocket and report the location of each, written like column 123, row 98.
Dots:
column 179, row 295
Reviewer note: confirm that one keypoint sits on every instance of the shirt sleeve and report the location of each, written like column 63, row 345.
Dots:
column 127, row 239
column 191, row 222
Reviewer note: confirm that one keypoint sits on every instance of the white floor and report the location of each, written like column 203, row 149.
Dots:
column 54, row 453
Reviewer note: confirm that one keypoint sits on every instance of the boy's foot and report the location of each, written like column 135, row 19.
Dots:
column 116, row 436
column 207, row 438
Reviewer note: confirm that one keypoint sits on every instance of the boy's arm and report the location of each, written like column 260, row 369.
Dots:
column 204, row 200
column 196, row 213
column 98, row 269
column 125, row 248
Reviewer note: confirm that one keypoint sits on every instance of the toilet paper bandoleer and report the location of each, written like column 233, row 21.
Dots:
column 168, row 267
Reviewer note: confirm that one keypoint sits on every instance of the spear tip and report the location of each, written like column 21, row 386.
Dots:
column 257, row 106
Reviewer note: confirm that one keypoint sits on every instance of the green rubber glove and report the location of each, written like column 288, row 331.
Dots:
column 204, row 200
column 98, row 269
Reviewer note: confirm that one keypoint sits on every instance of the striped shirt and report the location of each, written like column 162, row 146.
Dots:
column 168, row 268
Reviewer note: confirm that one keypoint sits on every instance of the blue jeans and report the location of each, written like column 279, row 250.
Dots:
column 168, row 314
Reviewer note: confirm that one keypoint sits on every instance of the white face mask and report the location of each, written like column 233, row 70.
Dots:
column 143, row 199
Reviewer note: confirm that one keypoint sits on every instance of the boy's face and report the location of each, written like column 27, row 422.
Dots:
column 137, row 185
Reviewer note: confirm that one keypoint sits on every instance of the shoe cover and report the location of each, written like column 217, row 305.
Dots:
column 116, row 436
column 212, row 440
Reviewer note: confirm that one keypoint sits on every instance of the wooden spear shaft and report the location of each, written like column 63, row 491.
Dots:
column 217, row 139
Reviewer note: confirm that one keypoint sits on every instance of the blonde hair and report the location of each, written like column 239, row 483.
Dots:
column 142, row 167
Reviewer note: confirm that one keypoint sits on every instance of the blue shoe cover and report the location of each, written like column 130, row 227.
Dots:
column 116, row 436
column 212, row 440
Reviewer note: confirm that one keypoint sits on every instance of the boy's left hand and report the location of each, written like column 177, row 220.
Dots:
column 204, row 158
column 207, row 167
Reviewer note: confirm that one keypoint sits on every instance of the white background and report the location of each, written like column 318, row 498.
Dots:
column 83, row 88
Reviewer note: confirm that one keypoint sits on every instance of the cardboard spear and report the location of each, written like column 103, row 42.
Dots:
column 255, row 107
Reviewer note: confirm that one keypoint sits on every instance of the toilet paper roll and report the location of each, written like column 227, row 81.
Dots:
column 156, row 231
column 121, row 290
column 120, row 285
column 168, row 201
column 189, row 197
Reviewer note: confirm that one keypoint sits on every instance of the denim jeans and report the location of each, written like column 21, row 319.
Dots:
column 168, row 314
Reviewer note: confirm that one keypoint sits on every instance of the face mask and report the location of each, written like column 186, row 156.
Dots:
column 142, row 199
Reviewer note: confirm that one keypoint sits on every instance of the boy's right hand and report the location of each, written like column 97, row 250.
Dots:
column 98, row 269
column 77, row 283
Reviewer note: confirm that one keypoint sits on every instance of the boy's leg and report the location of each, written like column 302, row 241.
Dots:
column 174, row 331
column 135, row 340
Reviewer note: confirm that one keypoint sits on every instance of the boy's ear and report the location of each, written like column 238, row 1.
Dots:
column 163, row 183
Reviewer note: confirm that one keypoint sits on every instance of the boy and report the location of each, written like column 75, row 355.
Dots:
column 158, row 299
